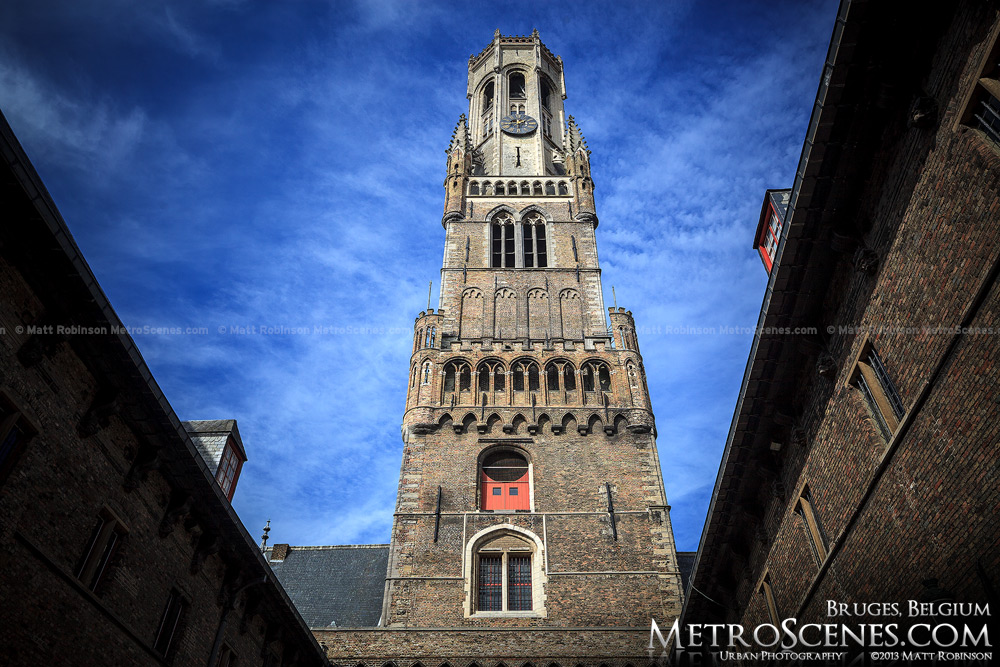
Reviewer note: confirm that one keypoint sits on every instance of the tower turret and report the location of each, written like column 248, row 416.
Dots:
column 459, row 168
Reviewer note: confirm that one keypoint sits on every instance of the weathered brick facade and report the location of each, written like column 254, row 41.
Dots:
column 891, row 244
column 518, row 360
column 106, row 507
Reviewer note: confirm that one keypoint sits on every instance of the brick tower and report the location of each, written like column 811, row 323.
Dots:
column 530, row 494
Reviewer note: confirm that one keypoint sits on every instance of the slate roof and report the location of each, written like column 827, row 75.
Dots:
column 780, row 200
column 685, row 563
column 337, row 585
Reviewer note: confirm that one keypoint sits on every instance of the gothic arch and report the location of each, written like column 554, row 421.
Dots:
column 492, row 534
column 518, row 423
column 468, row 421
column 472, row 314
column 595, row 376
column 594, row 424
column 505, row 313
column 501, row 208
column 571, row 314
column 568, row 421
column 621, row 423
column 539, row 326
column 534, row 208
column 543, row 422
column 492, row 421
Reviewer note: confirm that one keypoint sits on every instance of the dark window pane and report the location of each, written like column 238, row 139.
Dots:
column 540, row 246
column 569, row 379
column 552, row 375
column 508, row 244
column 519, row 583
column 490, row 584
column 497, row 247
column 887, row 385
column 529, row 251
column 513, row 491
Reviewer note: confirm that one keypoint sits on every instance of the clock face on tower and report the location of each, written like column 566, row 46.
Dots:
column 518, row 123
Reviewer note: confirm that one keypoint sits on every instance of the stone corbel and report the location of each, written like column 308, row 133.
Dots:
column 147, row 458
column 208, row 544
column 180, row 504
column 98, row 416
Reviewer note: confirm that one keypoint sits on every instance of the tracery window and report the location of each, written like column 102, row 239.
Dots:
column 502, row 241
column 596, row 375
column 533, row 232
column 560, row 375
column 492, row 376
column 525, row 373
column 505, row 575
column 457, row 374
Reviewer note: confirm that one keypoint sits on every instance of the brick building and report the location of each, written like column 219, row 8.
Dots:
column 862, row 460
column 118, row 545
column 531, row 521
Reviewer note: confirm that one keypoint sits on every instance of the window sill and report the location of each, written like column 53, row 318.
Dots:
column 507, row 614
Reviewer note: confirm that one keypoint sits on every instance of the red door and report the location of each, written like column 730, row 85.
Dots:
column 506, row 495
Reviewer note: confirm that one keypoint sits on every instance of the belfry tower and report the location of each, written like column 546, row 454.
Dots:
column 530, row 494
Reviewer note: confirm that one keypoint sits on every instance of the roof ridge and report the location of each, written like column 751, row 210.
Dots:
column 337, row 546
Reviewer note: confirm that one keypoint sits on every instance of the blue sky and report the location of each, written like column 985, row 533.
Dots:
column 232, row 163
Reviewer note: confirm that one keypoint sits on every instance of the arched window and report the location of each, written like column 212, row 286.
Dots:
column 536, row 188
column 502, row 242
column 533, row 233
column 474, row 188
column 525, row 374
column 425, row 376
column 505, row 573
column 457, row 377
column 546, row 95
column 499, row 188
column 563, row 189
column 559, row 374
column 516, row 86
column 550, row 188
column 504, row 481
column 488, row 97
column 492, row 377
column 596, row 375
column 569, row 377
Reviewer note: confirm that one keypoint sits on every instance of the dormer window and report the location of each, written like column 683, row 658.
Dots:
column 770, row 226
column 230, row 466
column 516, row 86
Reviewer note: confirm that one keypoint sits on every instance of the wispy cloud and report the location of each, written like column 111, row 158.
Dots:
column 280, row 165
